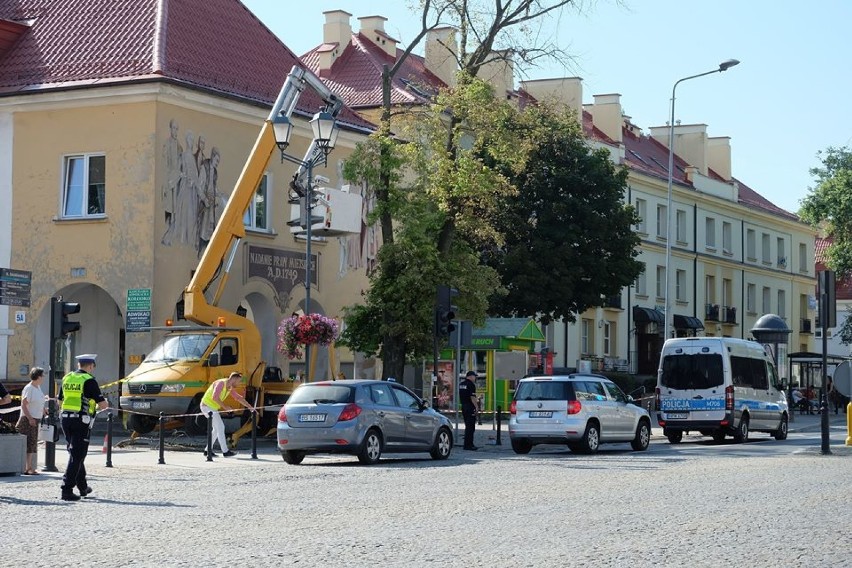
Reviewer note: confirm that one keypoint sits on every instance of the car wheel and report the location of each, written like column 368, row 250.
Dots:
column 293, row 457
column 643, row 437
column 141, row 423
column 371, row 447
column 591, row 438
column 719, row 436
column 521, row 446
column 674, row 436
column 781, row 432
column 195, row 425
column 443, row 445
column 741, row 435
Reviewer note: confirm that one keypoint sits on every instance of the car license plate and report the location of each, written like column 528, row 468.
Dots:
column 541, row 414
column 312, row 418
column 141, row 405
column 677, row 415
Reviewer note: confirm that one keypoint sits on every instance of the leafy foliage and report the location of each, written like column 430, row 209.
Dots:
column 568, row 236
column 829, row 206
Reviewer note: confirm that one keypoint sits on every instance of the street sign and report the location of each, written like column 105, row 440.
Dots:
column 138, row 309
column 15, row 287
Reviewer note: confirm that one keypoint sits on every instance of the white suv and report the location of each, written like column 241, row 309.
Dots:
column 580, row 410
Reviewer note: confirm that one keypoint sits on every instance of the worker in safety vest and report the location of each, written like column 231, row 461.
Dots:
column 213, row 402
column 80, row 398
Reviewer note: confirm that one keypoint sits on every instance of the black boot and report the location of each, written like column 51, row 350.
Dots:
column 70, row 496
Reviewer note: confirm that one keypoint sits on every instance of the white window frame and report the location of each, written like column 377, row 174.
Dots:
column 680, row 225
column 662, row 221
column 261, row 194
column 782, row 304
column 83, row 206
column 661, row 281
column 710, row 232
column 680, row 285
column 782, row 251
column 727, row 238
column 751, row 298
column 766, row 300
column 766, row 252
column 585, row 326
column 642, row 212
column 803, row 257
column 642, row 282
column 751, row 244
column 710, row 289
column 607, row 338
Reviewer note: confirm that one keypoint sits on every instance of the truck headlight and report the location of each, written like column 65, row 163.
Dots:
column 172, row 388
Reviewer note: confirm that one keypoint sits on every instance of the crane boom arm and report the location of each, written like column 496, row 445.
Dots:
column 218, row 257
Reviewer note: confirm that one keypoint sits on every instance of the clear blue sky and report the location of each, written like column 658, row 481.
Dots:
column 787, row 100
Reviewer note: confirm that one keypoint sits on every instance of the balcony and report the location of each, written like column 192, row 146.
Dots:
column 711, row 312
column 729, row 315
column 612, row 302
column 805, row 326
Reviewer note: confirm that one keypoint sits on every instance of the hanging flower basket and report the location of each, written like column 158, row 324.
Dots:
column 310, row 329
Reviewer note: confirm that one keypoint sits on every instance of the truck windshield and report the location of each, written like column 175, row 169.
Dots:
column 187, row 347
column 688, row 372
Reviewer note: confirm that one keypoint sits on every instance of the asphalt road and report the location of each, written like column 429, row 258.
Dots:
column 763, row 503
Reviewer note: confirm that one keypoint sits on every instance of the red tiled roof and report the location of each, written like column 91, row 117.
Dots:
column 843, row 283
column 356, row 75
column 644, row 154
column 216, row 45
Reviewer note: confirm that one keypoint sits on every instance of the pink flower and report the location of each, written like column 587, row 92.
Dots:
column 308, row 329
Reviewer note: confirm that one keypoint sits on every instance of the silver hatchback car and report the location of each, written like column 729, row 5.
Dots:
column 580, row 410
column 362, row 418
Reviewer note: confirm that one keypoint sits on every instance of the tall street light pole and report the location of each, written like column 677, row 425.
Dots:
column 724, row 66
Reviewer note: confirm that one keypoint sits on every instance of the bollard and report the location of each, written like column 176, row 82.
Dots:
column 210, row 436
column 825, row 446
column 254, row 434
column 109, row 440
column 499, row 441
column 849, row 424
column 162, row 439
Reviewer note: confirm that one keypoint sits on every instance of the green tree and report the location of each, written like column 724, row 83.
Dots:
column 569, row 238
column 828, row 206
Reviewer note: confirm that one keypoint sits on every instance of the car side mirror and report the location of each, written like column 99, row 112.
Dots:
column 423, row 404
column 631, row 399
column 212, row 360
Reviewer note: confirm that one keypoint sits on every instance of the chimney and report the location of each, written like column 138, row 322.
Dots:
column 607, row 116
column 373, row 28
column 719, row 156
column 336, row 34
column 564, row 92
column 499, row 72
column 690, row 143
column 441, row 50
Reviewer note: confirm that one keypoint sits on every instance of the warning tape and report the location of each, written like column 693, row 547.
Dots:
column 259, row 408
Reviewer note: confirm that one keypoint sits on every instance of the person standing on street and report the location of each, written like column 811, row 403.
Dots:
column 32, row 409
column 213, row 402
column 80, row 399
column 467, row 395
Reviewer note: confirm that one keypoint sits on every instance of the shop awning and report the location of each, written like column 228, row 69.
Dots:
column 647, row 315
column 687, row 322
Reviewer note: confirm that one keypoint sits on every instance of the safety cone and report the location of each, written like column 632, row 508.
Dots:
column 106, row 444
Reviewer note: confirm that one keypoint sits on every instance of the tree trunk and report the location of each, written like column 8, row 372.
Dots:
column 393, row 357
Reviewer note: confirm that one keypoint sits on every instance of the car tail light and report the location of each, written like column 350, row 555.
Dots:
column 513, row 407
column 282, row 415
column 574, row 406
column 729, row 398
column 657, row 398
column 350, row 411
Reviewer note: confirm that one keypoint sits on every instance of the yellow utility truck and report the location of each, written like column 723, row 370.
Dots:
column 176, row 373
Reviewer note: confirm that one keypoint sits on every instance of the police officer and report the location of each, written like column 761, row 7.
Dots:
column 80, row 397
column 467, row 395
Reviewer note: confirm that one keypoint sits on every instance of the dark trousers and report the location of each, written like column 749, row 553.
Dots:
column 469, row 426
column 77, row 441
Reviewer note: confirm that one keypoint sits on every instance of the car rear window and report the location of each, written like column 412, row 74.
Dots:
column 326, row 393
column 544, row 390
column 692, row 372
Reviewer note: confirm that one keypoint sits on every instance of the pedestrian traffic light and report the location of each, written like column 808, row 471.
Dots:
column 445, row 311
column 61, row 326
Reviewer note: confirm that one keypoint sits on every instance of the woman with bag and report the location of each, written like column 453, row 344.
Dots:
column 32, row 409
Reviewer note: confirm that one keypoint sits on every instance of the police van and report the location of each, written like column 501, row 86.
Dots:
column 719, row 386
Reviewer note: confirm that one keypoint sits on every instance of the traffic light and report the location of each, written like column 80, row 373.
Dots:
column 61, row 326
column 445, row 311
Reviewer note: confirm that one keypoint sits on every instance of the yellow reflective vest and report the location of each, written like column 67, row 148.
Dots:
column 207, row 399
column 72, row 394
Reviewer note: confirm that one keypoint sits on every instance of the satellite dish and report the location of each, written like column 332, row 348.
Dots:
column 843, row 378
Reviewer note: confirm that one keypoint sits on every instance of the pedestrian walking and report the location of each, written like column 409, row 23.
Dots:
column 213, row 402
column 467, row 395
column 32, row 409
column 80, row 399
